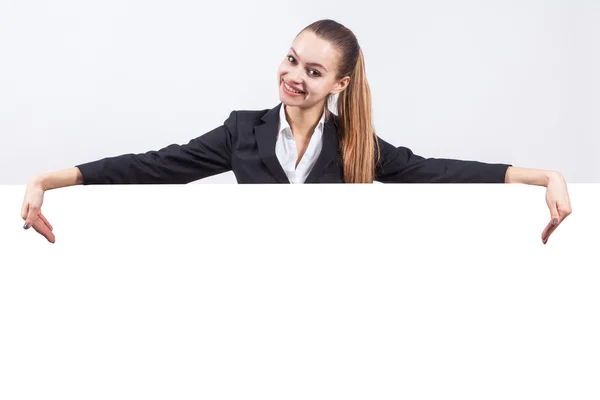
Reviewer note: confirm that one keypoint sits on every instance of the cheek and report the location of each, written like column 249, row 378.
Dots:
column 282, row 70
column 327, row 86
column 318, row 87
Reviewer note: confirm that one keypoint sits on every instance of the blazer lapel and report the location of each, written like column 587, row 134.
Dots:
column 266, row 138
column 329, row 150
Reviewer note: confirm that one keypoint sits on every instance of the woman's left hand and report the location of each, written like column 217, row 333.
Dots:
column 557, row 198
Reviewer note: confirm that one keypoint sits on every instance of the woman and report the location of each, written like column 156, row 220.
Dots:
column 298, row 141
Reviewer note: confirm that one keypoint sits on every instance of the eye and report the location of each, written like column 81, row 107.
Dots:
column 316, row 74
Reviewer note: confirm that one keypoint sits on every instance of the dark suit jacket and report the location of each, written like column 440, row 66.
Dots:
column 245, row 144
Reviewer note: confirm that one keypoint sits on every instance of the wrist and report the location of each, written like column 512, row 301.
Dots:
column 552, row 176
column 530, row 176
column 39, row 181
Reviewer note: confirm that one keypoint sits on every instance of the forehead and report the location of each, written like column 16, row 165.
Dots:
column 312, row 49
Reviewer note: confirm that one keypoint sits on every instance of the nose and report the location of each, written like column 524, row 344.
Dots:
column 295, row 76
column 296, row 79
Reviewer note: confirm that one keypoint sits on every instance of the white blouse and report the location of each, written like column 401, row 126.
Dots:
column 287, row 153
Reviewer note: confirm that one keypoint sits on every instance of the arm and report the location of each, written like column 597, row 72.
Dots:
column 401, row 165
column 529, row 176
column 54, row 180
column 204, row 156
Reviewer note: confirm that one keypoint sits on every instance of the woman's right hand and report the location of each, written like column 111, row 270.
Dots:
column 31, row 211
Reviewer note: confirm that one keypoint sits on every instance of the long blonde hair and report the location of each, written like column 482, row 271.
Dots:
column 358, row 145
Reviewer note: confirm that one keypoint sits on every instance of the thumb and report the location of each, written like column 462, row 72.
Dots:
column 554, row 215
column 32, row 216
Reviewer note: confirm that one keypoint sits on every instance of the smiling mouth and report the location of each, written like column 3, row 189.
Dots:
column 289, row 88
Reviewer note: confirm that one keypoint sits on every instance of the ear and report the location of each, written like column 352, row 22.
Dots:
column 341, row 85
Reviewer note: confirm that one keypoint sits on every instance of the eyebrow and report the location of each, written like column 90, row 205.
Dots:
column 309, row 63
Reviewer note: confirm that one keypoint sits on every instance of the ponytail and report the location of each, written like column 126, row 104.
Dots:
column 359, row 143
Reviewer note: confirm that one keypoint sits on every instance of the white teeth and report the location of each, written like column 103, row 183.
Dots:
column 292, row 90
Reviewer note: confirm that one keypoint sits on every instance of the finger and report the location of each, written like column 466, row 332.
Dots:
column 546, row 230
column 41, row 221
column 32, row 216
column 551, row 227
column 565, row 211
column 43, row 230
column 24, row 210
column 554, row 214
column 46, row 221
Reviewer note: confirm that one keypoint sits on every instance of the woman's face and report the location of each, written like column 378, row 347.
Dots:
column 310, row 66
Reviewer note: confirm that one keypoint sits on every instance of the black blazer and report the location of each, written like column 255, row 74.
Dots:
column 245, row 144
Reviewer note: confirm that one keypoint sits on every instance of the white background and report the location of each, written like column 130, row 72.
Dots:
column 496, row 81
column 300, row 292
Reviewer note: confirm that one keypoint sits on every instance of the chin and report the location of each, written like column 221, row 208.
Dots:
column 287, row 100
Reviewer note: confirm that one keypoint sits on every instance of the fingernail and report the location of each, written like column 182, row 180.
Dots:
column 26, row 226
column 555, row 221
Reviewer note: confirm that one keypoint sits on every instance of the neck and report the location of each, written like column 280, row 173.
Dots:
column 303, row 121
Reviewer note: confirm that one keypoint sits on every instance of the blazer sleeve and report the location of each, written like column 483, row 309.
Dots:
column 401, row 165
column 206, row 155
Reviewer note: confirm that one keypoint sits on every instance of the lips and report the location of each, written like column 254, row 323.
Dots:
column 294, row 87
